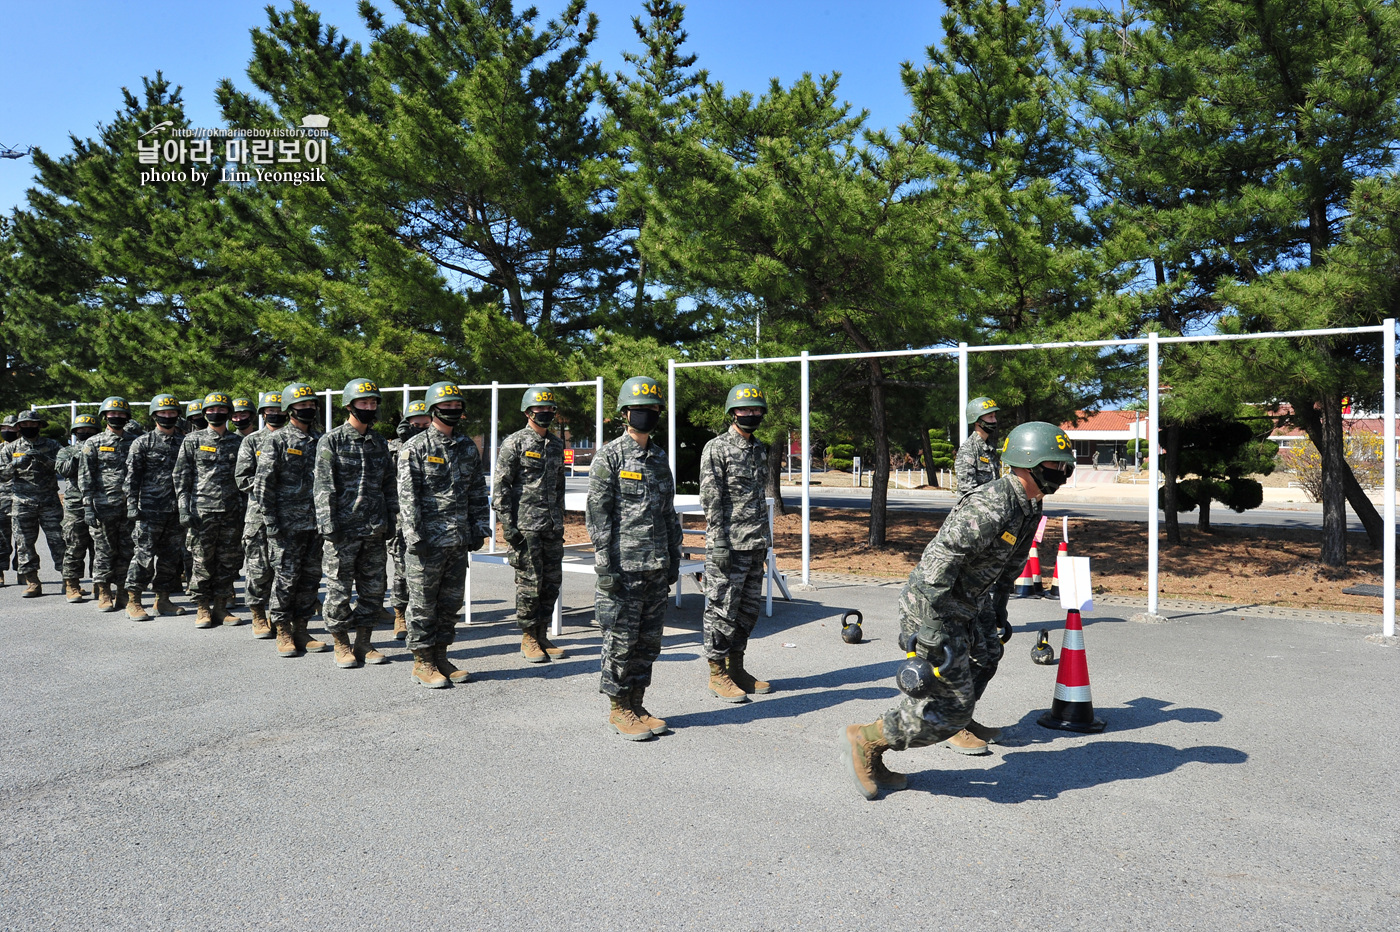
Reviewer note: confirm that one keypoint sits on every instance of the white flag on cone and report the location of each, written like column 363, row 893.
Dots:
column 1076, row 588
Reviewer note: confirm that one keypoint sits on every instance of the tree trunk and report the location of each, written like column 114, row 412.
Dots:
column 1203, row 520
column 1171, row 450
column 928, row 458
column 1356, row 496
column 777, row 453
column 1334, row 510
column 880, row 477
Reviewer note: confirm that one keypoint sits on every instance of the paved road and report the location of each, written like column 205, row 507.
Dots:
column 158, row 776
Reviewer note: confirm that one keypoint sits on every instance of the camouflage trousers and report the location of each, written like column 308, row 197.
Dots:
column 6, row 541
column 77, row 547
column 734, row 599
column 111, row 545
column 296, row 567
column 539, row 575
column 257, row 567
column 157, row 555
column 357, row 564
column 399, row 587
column 986, row 648
column 26, row 520
column 632, row 617
column 437, row 581
column 916, row 723
column 214, row 551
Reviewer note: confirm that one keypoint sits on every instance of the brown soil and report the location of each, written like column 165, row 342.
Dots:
column 1256, row 566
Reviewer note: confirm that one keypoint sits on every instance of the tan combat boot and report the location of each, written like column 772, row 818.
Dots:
column 119, row 597
column 722, row 686
column 554, row 651
column 425, row 672
column 657, row 725
column 286, row 644
column 344, row 654
column 742, row 678
column 364, row 650
column 965, row 742
column 104, row 598
column 530, row 647
column 73, row 590
column 862, row 750
column 985, row 732
column 262, row 627
column 2, row 579
column 203, row 617
column 222, row 615
column 33, row 588
column 134, row 609
column 446, row 667
column 167, row 608
column 625, row 722
column 306, row 642
column 400, row 625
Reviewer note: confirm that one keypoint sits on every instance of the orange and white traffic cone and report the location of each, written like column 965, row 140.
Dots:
column 1054, row 590
column 1033, row 568
column 1072, row 709
column 1024, row 587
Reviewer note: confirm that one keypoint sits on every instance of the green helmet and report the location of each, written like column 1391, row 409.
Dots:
column 1036, row 443
column 297, row 392
column 745, row 395
column 538, row 396
column 978, row 407
column 84, row 420
column 417, row 409
column 114, row 404
column 242, row 405
column 218, row 398
column 270, row 400
column 440, row 392
column 355, row 389
column 194, row 408
column 640, row 390
column 163, row 403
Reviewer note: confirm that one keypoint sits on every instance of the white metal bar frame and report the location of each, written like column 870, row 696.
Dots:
column 1388, row 558
column 1152, row 463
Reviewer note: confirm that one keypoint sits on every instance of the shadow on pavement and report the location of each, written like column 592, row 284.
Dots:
column 1143, row 712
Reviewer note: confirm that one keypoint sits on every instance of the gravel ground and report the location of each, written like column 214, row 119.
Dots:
column 156, row 776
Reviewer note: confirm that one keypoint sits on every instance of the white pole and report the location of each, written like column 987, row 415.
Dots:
column 329, row 393
column 491, row 465
column 962, row 393
column 406, row 389
column 806, row 473
column 1388, row 548
column 1152, row 427
column 72, row 410
column 671, row 418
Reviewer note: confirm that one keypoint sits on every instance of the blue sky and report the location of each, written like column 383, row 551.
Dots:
column 63, row 62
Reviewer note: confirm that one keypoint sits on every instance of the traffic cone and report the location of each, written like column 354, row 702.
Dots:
column 1033, row 567
column 1054, row 590
column 1024, row 587
column 1072, row 709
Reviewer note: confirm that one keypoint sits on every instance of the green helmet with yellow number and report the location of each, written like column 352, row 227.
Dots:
column 114, row 404
column 417, row 409
column 194, row 409
column 85, row 421
column 440, row 392
column 272, row 399
column 538, row 396
column 297, row 392
column 242, row 405
column 218, row 398
column 745, row 395
column 1032, row 445
column 640, row 390
column 355, row 389
column 978, row 407
column 165, row 402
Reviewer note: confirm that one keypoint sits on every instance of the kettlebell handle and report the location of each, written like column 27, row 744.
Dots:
column 856, row 612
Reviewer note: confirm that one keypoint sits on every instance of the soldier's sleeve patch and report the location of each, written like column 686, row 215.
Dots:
column 292, row 450
column 436, row 459
column 106, row 449
column 17, row 455
column 1009, row 538
column 209, row 449
column 624, row 474
column 533, row 455
column 984, row 459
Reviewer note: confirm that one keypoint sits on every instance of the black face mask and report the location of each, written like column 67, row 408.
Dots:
column 84, row 437
column 1050, row 480
column 168, row 421
column 991, row 429
column 198, row 423
column 275, row 418
column 748, row 422
column 29, row 433
column 364, row 415
column 303, row 415
column 241, row 423
column 116, row 424
column 643, row 420
column 216, row 419
column 542, row 418
column 8, row 435
column 450, row 418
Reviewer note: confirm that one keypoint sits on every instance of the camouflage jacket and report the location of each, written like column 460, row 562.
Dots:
column 284, row 482
column 442, row 491
column 204, row 474
column 102, row 474
column 631, row 510
column 733, row 483
column 354, row 484
column 150, row 474
column 66, row 466
column 981, row 547
column 977, row 463
column 29, row 466
column 529, row 482
column 243, row 472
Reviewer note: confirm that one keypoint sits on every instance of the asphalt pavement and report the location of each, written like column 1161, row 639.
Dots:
column 157, row 776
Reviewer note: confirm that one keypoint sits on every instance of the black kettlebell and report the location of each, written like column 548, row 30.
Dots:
column 850, row 633
column 915, row 675
column 1004, row 631
column 1042, row 653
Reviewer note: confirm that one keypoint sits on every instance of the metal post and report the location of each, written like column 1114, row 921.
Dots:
column 1152, row 426
column 671, row 418
column 806, row 474
column 491, row 465
column 962, row 393
column 598, row 417
column 1388, row 548
column 72, row 410
column 329, row 393
column 406, row 389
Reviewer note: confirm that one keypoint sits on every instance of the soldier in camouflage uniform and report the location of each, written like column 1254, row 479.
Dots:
column 529, row 500
column 194, row 420
column 444, row 514
column 636, row 534
column 211, row 509
column 257, row 562
column 355, row 495
column 283, row 492
column 414, row 422
column 156, row 536
column 102, row 482
column 244, row 420
column 980, row 547
column 77, row 542
column 28, row 464
column 733, row 481
column 8, row 432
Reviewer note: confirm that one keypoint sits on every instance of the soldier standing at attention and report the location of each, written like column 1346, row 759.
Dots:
column 733, row 479
column 355, row 495
column 631, row 516
column 194, row 417
column 414, row 422
column 28, row 464
column 980, row 548
column 211, row 509
column 529, row 500
column 77, row 542
column 977, row 462
column 102, row 482
column 283, row 492
column 9, row 432
column 244, row 420
column 151, row 503
column 257, row 564
column 444, row 514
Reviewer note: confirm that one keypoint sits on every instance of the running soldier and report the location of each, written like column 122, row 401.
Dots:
column 77, row 542
column 414, row 422
column 733, row 481
column 102, row 482
column 981, row 547
column 355, row 495
column 211, row 509
column 257, row 562
column 529, row 501
column 157, row 554
column 636, row 534
column 28, row 464
column 444, row 515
